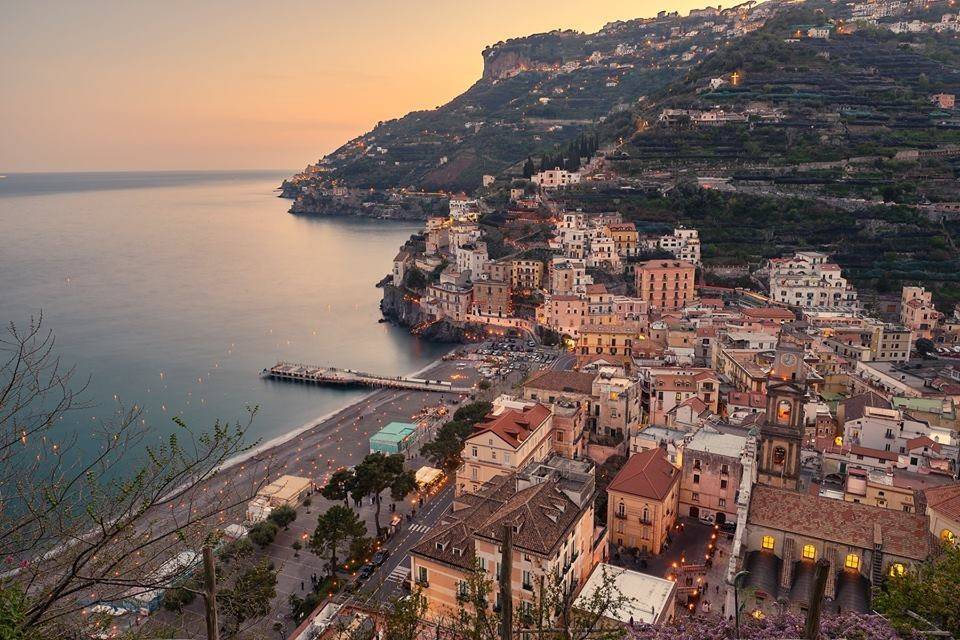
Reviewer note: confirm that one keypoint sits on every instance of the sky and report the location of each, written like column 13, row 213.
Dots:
column 114, row 85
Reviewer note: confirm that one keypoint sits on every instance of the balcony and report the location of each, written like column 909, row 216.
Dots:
column 423, row 583
column 619, row 516
column 527, row 586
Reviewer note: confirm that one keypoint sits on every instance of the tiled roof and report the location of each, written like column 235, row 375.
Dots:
column 542, row 513
column 765, row 313
column 646, row 474
column 514, row 426
column 596, row 288
column 568, row 381
column 851, row 523
column 922, row 441
column 855, row 407
column 827, row 445
column 754, row 399
column 945, row 500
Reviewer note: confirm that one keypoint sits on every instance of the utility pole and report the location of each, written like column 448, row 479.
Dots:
column 811, row 630
column 210, row 593
column 506, row 584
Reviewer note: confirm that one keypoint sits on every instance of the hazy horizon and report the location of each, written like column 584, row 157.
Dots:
column 109, row 86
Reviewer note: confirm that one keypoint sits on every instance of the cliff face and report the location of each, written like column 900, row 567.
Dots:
column 498, row 65
column 396, row 308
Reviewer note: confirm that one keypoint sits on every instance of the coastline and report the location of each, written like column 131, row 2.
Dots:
column 282, row 439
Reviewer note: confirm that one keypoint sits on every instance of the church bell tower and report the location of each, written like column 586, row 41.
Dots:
column 781, row 433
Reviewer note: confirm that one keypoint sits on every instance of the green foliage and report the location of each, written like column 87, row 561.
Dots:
column 13, row 614
column 283, row 515
column 445, row 448
column 415, row 279
column 176, row 599
column 300, row 608
column 405, row 617
column 929, row 591
column 335, row 528
column 263, row 533
column 338, row 486
column 248, row 597
column 377, row 473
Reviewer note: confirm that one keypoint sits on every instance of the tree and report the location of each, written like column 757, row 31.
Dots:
column 335, row 527
column 296, row 548
column 925, row 347
column 127, row 508
column 929, row 590
column 176, row 599
column 248, row 597
column 444, row 451
column 528, row 168
column 263, row 533
column 377, row 473
column 405, row 617
column 360, row 549
column 338, row 486
column 283, row 515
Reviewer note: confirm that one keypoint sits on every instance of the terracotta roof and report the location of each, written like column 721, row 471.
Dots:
column 922, row 441
column 562, row 381
column 945, row 500
column 542, row 512
column 711, row 302
column 754, row 399
column 647, row 474
column 851, row 523
column 514, row 426
column 855, row 407
column 767, row 313
column 693, row 402
column 666, row 264
column 826, row 445
column 596, row 288
column 622, row 226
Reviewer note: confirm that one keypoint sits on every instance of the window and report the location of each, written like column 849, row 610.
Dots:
column 696, row 478
column 809, row 552
column 723, row 502
column 723, row 484
column 463, row 589
column 475, row 452
column 724, row 469
column 852, row 561
column 695, row 496
column 506, row 458
column 493, row 455
column 696, row 464
column 621, row 510
column 948, row 536
column 422, row 575
column 767, row 542
column 784, row 410
column 897, row 570
column 779, row 455
column 527, row 581
column 646, row 514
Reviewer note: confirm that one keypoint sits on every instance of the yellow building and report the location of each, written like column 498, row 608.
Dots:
column 549, row 508
column 625, row 237
column 642, row 502
column 504, row 443
column 526, row 275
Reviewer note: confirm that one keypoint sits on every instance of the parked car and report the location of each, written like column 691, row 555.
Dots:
column 365, row 572
column 729, row 527
column 380, row 557
column 707, row 518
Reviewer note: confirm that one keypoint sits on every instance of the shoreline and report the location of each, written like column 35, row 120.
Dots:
column 284, row 438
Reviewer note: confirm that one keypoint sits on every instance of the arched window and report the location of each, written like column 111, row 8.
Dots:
column 779, row 455
column 621, row 509
column 897, row 569
column 948, row 536
column 784, row 411
column 809, row 552
column 646, row 514
column 852, row 561
column 767, row 542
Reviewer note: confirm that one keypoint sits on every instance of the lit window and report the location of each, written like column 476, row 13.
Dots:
column 779, row 455
column 948, row 536
column 852, row 561
column 897, row 570
column 767, row 542
column 809, row 552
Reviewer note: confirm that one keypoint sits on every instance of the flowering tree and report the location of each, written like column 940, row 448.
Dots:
column 789, row 625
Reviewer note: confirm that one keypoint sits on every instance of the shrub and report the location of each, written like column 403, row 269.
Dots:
column 263, row 533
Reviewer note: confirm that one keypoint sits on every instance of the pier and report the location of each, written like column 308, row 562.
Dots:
column 333, row 376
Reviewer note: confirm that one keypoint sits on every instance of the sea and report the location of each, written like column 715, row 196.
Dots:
column 172, row 291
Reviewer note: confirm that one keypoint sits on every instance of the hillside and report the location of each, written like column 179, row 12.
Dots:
column 535, row 92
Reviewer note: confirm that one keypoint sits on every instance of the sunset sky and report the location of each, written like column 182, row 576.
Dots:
column 118, row 85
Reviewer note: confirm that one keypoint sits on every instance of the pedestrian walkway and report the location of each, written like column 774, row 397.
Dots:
column 419, row 528
column 400, row 573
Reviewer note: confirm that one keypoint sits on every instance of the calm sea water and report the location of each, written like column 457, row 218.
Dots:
column 173, row 291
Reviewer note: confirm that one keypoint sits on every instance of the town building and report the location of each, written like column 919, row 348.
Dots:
column 711, row 475
column 555, row 178
column 492, row 298
column 526, row 275
column 918, row 313
column 808, row 280
column 683, row 243
column 504, row 443
column 548, row 507
column 625, row 237
column 943, row 510
column 447, row 301
column 649, row 599
column 568, row 276
column 565, row 314
column 642, row 502
column 666, row 284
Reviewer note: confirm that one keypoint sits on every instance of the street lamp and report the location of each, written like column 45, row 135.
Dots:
column 737, row 584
